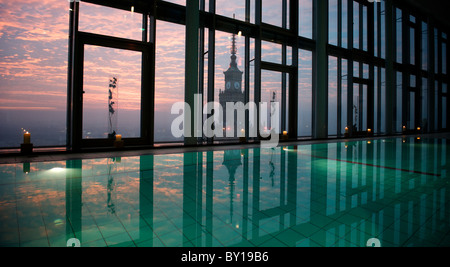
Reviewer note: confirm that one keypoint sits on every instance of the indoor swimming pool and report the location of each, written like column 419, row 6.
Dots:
column 384, row 192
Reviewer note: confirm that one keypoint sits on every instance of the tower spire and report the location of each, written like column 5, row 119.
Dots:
column 233, row 50
column 233, row 45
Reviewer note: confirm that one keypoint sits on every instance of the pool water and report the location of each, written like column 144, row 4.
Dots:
column 390, row 193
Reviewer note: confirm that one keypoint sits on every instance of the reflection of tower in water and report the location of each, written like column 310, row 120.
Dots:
column 232, row 160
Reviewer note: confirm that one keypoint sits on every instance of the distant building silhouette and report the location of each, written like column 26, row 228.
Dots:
column 233, row 92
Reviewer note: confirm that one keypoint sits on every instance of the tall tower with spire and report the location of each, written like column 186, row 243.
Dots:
column 233, row 92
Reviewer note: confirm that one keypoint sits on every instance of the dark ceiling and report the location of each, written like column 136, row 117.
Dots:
column 437, row 9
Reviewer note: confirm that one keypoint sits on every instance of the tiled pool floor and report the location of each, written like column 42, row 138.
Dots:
column 391, row 191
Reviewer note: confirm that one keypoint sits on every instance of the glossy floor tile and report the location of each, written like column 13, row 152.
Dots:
column 391, row 193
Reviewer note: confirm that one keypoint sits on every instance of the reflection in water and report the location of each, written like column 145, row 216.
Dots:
column 342, row 194
column 232, row 160
column 111, row 185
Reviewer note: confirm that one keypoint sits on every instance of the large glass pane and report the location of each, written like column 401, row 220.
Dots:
column 305, row 94
column 344, row 24
column 360, row 31
column 365, row 105
column 272, row 11
column 444, row 106
column 436, row 50
column 424, row 46
column 356, row 67
column 356, row 108
column 332, row 95
column 231, row 8
column 365, row 34
column 333, row 22
column 252, row 70
column 112, row 98
column 169, row 79
column 271, row 52
column 344, row 83
column 204, row 84
column 360, row 108
column 411, row 111
column 412, row 104
column 33, row 71
column 399, row 121
column 356, row 25
column 444, row 112
column 365, row 71
column 383, row 29
column 424, row 123
column 436, row 105
column 376, row 7
column 306, row 18
column 179, row 2
column 444, row 58
column 383, row 102
column 399, row 37
column 412, row 42
column 110, row 21
column 376, row 101
column 271, row 92
column 379, row 101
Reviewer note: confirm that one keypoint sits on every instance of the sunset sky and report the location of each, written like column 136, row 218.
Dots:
column 33, row 65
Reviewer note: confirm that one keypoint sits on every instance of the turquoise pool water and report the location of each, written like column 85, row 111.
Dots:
column 392, row 192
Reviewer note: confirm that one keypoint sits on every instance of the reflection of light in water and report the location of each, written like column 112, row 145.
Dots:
column 58, row 222
column 290, row 149
column 57, row 170
column 58, row 173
